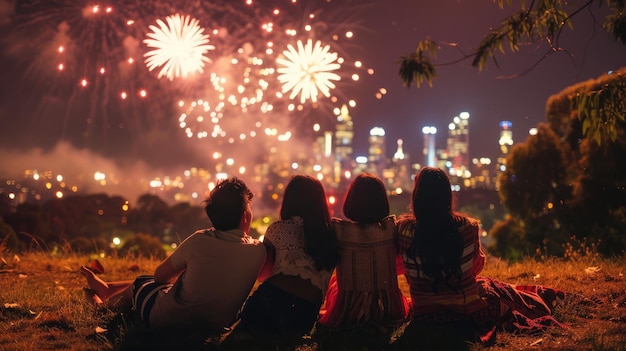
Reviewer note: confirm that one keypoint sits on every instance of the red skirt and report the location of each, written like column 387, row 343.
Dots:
column 349, row 308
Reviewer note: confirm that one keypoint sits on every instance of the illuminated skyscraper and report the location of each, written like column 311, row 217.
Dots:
column 505, row 141
column 375, row 158
column 344, row 133
column 458, row 145
column 398, row 176
column 506, row 137
column 399, row 155
column 430, row 134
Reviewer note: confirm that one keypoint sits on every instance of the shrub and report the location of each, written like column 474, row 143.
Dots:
column 143, row 245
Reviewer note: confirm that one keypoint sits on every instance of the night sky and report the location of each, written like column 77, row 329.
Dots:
column 38, row 130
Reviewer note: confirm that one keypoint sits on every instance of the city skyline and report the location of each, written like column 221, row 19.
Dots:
column 330, row 159
column 37, row 128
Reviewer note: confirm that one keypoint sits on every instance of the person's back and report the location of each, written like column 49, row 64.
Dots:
column 457, row 297
column 443, row 258
column 366, row 277
column 367, row 255
column 221, row 269
column 291, row 258
column 301, row 256
column 206, row 279
column 366, row 286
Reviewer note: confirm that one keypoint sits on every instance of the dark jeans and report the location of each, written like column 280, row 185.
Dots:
column 272, row 311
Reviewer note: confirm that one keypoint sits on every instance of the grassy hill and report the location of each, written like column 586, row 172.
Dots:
column 43, row 307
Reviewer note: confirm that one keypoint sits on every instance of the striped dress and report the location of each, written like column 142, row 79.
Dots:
column 465, row 300
column 486, row 304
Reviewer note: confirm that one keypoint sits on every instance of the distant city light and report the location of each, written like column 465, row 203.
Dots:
column 506, row 124
column 377, row 131
column 429, row 130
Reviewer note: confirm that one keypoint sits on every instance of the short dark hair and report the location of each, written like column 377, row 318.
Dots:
column 227, row 203
column 366, row 201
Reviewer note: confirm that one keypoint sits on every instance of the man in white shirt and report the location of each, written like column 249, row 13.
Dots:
column 209, row 275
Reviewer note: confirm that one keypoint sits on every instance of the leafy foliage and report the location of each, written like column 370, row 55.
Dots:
column 417, row 67
column 534, row 188
column 143, row 245
column 542, row 21
column 558, row 183
column 602, row 108
column 87, row 223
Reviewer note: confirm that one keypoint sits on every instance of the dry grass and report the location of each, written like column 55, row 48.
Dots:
column 42, row 307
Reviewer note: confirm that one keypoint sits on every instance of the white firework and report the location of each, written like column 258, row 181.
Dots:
column 308, row 70
column 179, row 47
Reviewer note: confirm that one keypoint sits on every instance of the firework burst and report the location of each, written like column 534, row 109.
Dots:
column 308, row 70
column 179, row 47
column 102, row 68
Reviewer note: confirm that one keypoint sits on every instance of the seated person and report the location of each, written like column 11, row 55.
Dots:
column 366, row 285
column 209, row 275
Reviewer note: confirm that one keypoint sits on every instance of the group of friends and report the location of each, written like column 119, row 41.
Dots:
column 315, row 271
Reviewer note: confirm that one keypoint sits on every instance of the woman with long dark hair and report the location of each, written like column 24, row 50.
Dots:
column 443, row 257
column 302, row 254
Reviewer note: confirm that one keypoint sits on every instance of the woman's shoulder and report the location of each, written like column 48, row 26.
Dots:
column 287, row 222
column 342, row 223
column 405, row 220
column 405, row 225
column 466, row 220
column 389, row 220
column 467, row 223
column 284, row 228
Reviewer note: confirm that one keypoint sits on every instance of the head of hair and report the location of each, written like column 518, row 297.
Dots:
column 432, row 194
column 366, row 200
column 436, row 241
column 305, row 197
column 227, row 203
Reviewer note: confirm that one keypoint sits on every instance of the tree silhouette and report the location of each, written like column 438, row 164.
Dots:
column 543, row 21
column 558, row 185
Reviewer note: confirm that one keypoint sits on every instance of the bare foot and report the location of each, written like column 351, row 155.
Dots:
column 97, row 285
column 92, row 297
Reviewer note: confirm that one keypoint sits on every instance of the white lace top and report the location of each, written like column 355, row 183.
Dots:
column 287, row 236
